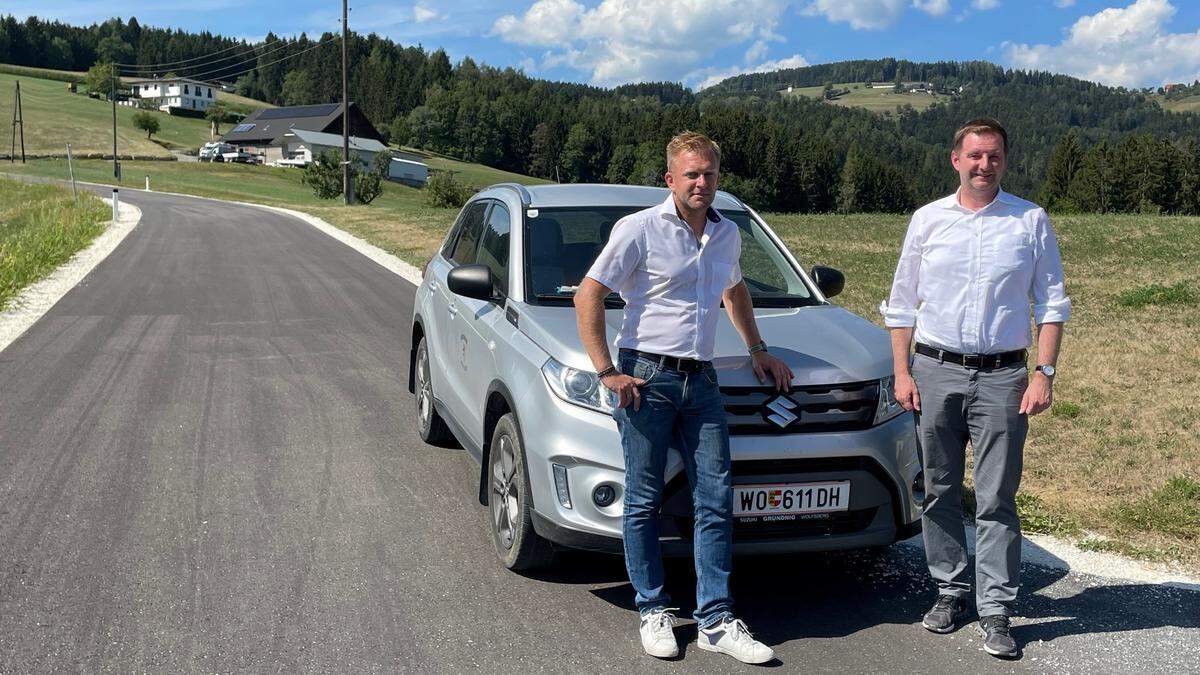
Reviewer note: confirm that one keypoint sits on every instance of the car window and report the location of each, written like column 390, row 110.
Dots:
column 463, row 251
column 493, row 249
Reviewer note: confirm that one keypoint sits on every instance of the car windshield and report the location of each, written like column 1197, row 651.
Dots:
column 562, row 243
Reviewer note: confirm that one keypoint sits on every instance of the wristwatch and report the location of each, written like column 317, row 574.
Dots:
column 760, row 346
column 1046, row 370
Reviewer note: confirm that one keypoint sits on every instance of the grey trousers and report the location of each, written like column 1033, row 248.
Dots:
column 960, row 404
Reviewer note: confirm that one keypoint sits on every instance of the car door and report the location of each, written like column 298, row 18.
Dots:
column 480, row 324
column 444, row 340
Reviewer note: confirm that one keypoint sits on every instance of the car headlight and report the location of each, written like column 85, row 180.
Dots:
column 579, row 387
column 888, row 406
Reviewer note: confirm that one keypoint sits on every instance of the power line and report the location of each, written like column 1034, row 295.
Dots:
column 278, row 45
column 201, row 76
column 154, row 66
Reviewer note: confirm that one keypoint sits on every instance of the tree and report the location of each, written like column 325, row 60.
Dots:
column 113, row 49
column 324, row 175
column 398, row 131
column 99, row 79
column 216, row 114
column 60, row 54
column 827, row 92
column 1093, row 186
column 1064, row 162
column 298, row 88
column 620, row 165
column 147, row 122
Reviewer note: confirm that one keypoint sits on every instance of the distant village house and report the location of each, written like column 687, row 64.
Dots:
column 179, row 93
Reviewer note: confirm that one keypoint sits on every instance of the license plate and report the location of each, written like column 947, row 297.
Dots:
column 786, row 498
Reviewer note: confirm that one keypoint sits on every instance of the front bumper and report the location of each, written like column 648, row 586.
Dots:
column 881, row 463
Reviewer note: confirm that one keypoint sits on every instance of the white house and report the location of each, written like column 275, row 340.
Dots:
column 408, row 171
column 178, row 92
column 297, row 147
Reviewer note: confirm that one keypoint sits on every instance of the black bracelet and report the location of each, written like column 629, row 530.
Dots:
column 611, row 370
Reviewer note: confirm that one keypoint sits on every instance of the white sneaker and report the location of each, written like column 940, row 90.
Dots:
column 733, row 638
column 658, row 633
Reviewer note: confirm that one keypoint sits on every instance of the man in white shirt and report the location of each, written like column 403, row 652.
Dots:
column 673, row 264
column 973, row 268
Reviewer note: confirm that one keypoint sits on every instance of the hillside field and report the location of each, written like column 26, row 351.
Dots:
column 54, row 117
column 878, row 101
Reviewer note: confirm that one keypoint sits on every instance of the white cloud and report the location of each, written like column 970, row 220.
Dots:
column 710, row 76
column 546, row 23
column 422, row 12
column 985, row 5
column 621, row 41
column 757, row 52
column 860, row 14
column 933, row 7
column 1125, row 46
column 1064, row 3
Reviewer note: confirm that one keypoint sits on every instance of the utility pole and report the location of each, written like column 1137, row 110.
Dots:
column 18, row 122
column 113, row 95
column 347, row 182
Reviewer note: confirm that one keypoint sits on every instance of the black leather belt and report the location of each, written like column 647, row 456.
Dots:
column 976, row 361
column 671, row 362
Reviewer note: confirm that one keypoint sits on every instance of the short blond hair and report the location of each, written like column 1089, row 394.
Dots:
column 690, row 141
column 980, row 125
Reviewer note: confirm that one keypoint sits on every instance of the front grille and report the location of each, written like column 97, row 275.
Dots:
column 839, row 407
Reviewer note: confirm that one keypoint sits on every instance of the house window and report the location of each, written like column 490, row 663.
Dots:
column 210, row 92
column 185, row 89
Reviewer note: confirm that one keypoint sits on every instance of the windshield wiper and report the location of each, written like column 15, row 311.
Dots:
column 612, row 301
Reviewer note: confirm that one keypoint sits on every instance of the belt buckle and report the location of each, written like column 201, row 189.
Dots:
column 973, row 361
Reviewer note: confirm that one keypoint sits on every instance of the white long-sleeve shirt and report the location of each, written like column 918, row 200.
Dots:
column 967, row 280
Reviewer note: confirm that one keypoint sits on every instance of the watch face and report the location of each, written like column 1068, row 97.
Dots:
column 1047, row 370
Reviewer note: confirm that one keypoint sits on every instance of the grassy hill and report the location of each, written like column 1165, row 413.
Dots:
column 54, row 117
column 875, row 100
column 1191, row 104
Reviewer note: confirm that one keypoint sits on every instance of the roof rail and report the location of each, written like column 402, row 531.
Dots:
column 526, row 198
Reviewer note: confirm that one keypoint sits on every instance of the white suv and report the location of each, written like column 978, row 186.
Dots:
column 497, row 364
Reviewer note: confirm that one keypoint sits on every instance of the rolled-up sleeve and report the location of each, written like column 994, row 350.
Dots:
column 621, row 255
column 1048, row 292
column 900, row 309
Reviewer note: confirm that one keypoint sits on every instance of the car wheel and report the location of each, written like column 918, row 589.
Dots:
column 430, row 425
column 519, row 547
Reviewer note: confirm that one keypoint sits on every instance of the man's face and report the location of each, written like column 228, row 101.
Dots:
column 980, row 162
column 692, row 178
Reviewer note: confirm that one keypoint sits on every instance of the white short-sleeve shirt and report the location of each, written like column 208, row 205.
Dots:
column 969, row 280
column 671, row 281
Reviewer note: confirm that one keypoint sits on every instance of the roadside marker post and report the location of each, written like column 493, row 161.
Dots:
column 71, row 170
column 147, row 182
column 116, row 202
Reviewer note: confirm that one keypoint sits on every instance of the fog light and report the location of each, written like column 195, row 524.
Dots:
column 560, row 484
column 604, row 495
column 918, row 488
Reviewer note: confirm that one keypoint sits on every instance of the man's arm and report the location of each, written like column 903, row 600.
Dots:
column 589, row 316
column 1040, row 392
column 741, row 313
column 905, row 386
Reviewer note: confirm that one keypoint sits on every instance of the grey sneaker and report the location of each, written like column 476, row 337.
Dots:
column 943, row 617
column 996, row 639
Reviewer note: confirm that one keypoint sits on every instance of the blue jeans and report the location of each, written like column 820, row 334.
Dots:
column 683, row 411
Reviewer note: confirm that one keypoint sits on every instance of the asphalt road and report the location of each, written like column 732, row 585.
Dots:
column 208, row 463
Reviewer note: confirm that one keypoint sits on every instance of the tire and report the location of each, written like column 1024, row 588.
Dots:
column 430, row 425
column 509, row 504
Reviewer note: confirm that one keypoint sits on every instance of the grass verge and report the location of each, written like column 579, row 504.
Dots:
column 41, row 227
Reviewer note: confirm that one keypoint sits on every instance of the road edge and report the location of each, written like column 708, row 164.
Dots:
column 35, row 300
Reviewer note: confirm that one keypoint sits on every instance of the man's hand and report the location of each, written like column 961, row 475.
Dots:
column 1038, row 395
column 764, row 363
column 906, row 392
column 626, row 388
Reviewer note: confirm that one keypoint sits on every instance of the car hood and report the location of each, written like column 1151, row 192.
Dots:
column 823, row 344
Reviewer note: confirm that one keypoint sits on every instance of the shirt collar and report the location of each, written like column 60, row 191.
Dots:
column 667, row 208
column 951, row 201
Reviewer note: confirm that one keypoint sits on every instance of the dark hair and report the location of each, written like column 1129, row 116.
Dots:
column 981, row 125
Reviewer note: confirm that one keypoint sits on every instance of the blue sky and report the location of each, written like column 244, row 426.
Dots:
column 1130, row 43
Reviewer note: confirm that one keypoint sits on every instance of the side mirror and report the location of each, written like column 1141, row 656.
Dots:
column 471, row 281
column 829, row 280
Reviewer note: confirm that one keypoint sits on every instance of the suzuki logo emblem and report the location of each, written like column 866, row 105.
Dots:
column 778, row 411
